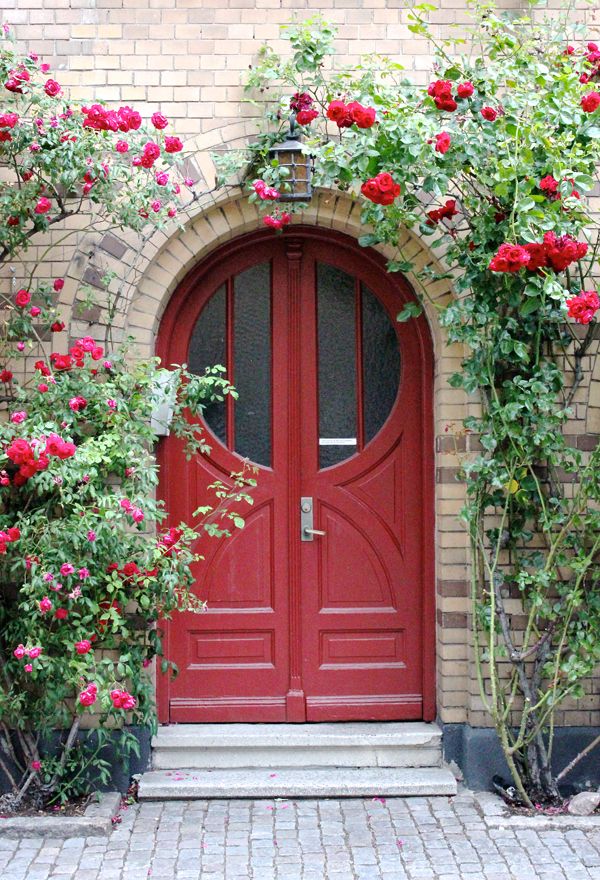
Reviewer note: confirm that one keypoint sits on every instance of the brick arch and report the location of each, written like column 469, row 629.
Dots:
column 166, row 258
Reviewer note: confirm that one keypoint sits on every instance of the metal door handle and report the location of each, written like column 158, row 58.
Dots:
column 306, row 520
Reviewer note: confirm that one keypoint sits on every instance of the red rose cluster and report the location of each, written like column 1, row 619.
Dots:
column 7, row 120
column 168, row 542
column 592, row 56
column 443, row 142
column 441, row 92
column 16, row 79
column 554, row 253
column 76, row 357
column 33, row 456
column 382, row 190
column 99, row 118
column 446, row 212
column 277, row 221
column 265, row 192
column 549, row 186
column 344, row 115
column 302, row 105
column 584, row 306
column 122, row 699
column 590, row 102
column 9, row 537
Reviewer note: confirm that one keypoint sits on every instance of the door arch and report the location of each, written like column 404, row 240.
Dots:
column 342, row 626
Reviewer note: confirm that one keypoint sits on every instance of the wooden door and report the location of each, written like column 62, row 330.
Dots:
column 334, row 407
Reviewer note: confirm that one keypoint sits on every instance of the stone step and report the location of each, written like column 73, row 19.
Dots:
column 291, row 782
column 344, row 744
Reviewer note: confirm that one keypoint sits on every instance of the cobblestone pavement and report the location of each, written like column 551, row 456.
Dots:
column 393, row 839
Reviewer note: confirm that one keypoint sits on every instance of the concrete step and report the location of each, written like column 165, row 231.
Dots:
column 347, row 744
column 291, row 782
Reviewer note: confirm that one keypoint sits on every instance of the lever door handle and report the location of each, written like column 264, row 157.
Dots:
column 308, row 531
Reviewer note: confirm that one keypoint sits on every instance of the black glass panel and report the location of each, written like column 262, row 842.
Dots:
column 336, row 322
column 381, row 363
column 207, row 349
column 252, row 363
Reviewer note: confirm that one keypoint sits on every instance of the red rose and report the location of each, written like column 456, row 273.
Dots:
column 159, row 121
column 52, row 88
column 59, row 283
column 22, row 298
column 8, row 120
column 584, row 306
column 548, row 184
column 34, row 311
column 537, row 256
column 173, row 145
column 83, row 647
column 300, row 101
column 121, row 146
column 13, row 221
column 465, row 90
column 510, row 258
column 382, row 190
column 305, row 117
column 338, row 112
column 590, row 102
column 61, row 614
column 370, row 189
column 442, row 142
column 489, row 113
column 563, row 251
column 57, row 326
column 363, row 117
column 5, row 376
column 43, row 206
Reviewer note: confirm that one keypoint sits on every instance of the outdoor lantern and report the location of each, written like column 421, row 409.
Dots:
column 289, row 155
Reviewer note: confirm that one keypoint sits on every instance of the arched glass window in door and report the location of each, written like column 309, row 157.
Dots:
column 358, row 363
column 234, row 329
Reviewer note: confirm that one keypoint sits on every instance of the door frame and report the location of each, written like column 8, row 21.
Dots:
column 168, row 327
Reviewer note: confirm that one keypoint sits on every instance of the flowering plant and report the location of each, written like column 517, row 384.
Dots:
column 88, row 567
column 493, row 161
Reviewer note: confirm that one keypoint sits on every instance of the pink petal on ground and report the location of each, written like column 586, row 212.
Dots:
column 399, row 844
column 380, row 799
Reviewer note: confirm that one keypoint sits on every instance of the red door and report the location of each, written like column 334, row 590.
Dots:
column 334, row 408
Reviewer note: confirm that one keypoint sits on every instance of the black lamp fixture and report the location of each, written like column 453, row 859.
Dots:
column 289, row 155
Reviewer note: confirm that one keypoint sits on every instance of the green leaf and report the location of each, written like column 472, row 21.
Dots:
column 410, row 310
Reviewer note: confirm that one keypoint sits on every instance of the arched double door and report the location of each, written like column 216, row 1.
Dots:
column 334, row 407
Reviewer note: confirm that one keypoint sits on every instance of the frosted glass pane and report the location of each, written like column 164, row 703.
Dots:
column 252, row 363
column 381, row 363
column 336, row 322
column 207, row 348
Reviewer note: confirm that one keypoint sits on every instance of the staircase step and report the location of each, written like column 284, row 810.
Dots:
column 286, row 782
column 345, row 744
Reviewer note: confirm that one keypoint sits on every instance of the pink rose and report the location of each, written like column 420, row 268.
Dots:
column 43, row 206
column 18, row 417
column 89, row 696
column 19, row 652
column 159, row 121
column 83, row 647
column 121, row 146
column 28, row 667
column 35, row 652
column 34, row 311
column 137, row 515
column 44, row 605
column 36, row 765
column 22, row 298
column 173, row 145
column 66, row 569
column 52, row 88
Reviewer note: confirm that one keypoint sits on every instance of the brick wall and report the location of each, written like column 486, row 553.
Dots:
column 187, row 59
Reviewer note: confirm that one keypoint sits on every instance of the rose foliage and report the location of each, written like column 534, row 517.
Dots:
column 491, row 163
column 88, row 566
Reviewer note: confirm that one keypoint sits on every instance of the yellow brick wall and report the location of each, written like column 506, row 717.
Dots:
column 187, row 58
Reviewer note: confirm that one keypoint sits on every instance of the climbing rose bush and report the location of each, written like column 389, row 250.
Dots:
column 89, row 564
column 493, row 162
